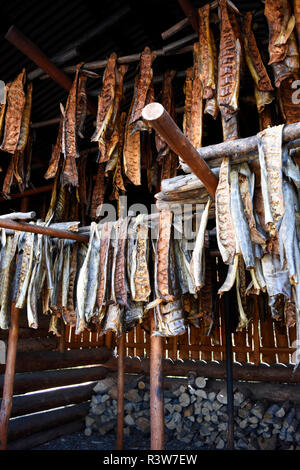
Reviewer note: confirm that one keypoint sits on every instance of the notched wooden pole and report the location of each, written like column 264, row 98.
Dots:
column 156, row 115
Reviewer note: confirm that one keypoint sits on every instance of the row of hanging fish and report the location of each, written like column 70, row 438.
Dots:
column 15, row 114
column 114, row 279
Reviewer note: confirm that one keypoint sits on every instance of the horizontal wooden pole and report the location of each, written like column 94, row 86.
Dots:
column 25, row 382
column 51, row 232
column 25, row 333
column 36, row 344
column 39, row 438
column 27, row 425
column 35, row 361
column 214, row 369
column 62, row 396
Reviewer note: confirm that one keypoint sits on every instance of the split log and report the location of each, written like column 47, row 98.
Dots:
column 216, row 370
column 27, row 425
column 39, row 438
column 31, row 381
column 34, row 361
column 32, row 403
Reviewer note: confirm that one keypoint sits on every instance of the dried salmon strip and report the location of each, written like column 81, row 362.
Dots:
column 141, row 274
column 120, row 270
column 188, row 85
column 143, row 83
column 211, row 105
column 120, row 73
column 253, row 57
column 281, row 24
column 106, row 98
column 13, row 118
column 206, row 62
column 132, row 147
column 229, row 66
column 70, row 123
column 103, row 263
column 25, row 124
column 98, row 191
column 162, row 256
column 81, row 104
column 167, row 102
column 195, row 129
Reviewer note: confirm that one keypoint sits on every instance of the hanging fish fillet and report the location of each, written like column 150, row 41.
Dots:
column 211, row 104
column 287, row 233
column 69, row 314
column 26, row 268
column 289, row 107
column 36, row 281
column 187, row 89
column 118, row 183
column 281, row 24
column 71, row 145
column 14, row 112
column 243, row 320
column 120, row 271
column 143, row 83
column 56, row 154
column 81, row 104
column 197, row 264
column 270, row 158
column 253, row 57
column 132, row 147
column 8, row 255
column 3, row 107
column 106, row 99
column 93, row 276
column 120, row 73
column 162, row 257
column 141, row 278
column 82, row 284
column 241, row 227
column 25, row 124
column 98, row 191
column 195, row 129
column 229, row 66
column 104, row 249
column 246, row 185
column 225, row 230
column 206, row 62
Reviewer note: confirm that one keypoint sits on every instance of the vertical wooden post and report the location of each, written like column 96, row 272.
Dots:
column 156, row 391
column 120, row 385
column 8, row 386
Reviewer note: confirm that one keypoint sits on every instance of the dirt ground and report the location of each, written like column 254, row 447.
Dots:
column 78, row 441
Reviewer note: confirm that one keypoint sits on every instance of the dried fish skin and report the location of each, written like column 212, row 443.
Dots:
column 70, row 122
column 241, row 227
column 262, row 99
column 289, row 108
column 226, row 237
column 3, row 107
column 36, row 280
column 6, row 265
column 277, row 279
column 253, row 57
column 93, row 276
column 168, row 103
column 228, row 66
column 98, row 191
column 287, row 233
column 246, row 195
column 69, row 314
column 290, row 313
column 243, row 320
column 120, row 73
column 281, row 24
column 82, row 284
column 270, row 159
column 143, row 83
column 133, row 314
column 195, row 129
column 14, row 112
column 106, row 98
column 231, row 275
column 169, row 319
column 198, row 258
column 206, row 64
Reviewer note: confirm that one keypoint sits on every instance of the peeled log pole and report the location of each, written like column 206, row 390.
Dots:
column 8, row 387
column 31, row 381
column 156, row 391
column 215, row 370
column 34, row 361
column 32, row 403
column 161, row 121
column 25, row 45
column 27, row 425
